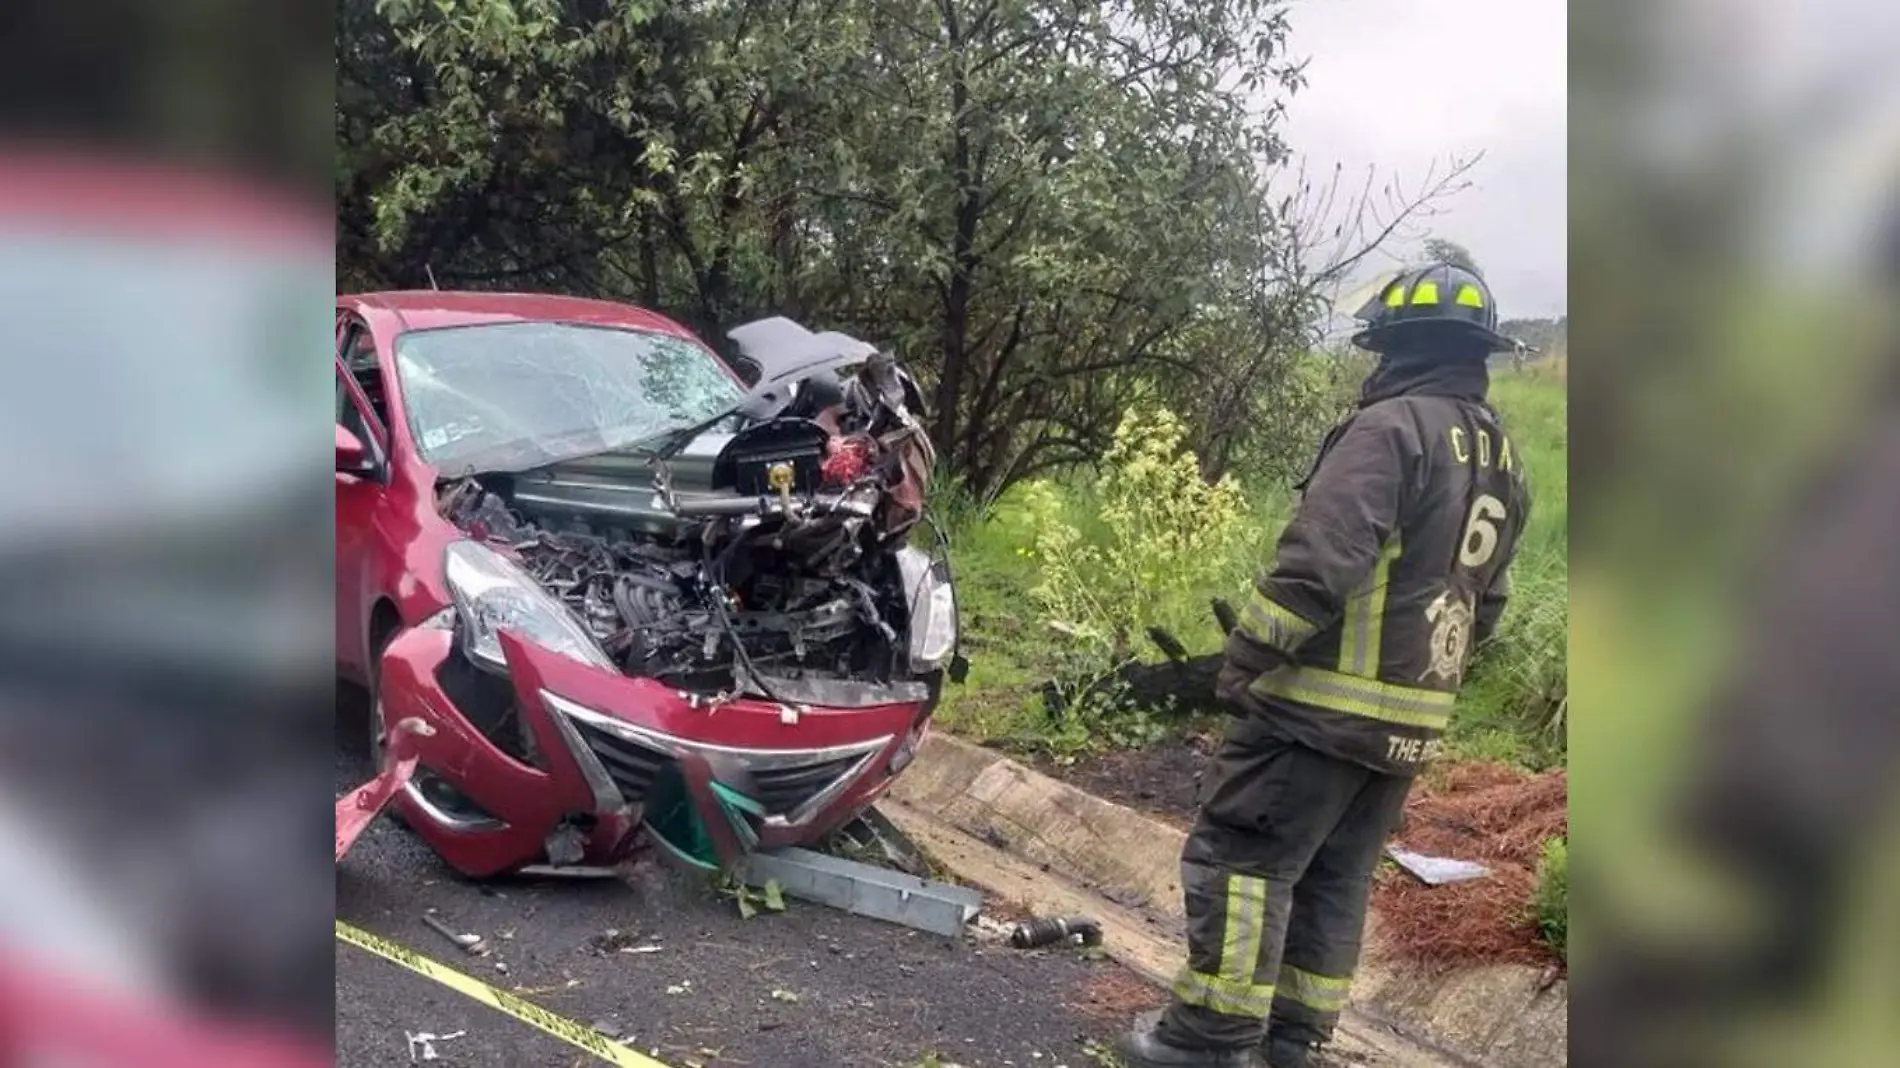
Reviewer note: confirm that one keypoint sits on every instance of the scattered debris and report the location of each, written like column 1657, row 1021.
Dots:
column 471, row 944
column 880, row 893
column 609, row 1028
column 566, row 846
column 771, row 896
column 784, row 995
column 424, row 1043
column 570, row 871
column 1436, row 871
column 1048, row 931
column 614, row 940
column 684, row 986
column 990, row 929
column 1498, row 816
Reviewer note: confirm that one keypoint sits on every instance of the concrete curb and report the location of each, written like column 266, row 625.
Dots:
column 1501, row 1016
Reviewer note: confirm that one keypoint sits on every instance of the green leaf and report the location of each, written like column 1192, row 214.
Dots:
column 746, row 911
column 774, row 896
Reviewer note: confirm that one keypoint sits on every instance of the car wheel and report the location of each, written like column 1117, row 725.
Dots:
column 378, row 722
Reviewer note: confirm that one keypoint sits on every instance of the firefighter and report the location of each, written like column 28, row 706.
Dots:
column 1341, row 678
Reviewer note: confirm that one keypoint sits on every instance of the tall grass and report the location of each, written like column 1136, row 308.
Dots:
column 1514, row 699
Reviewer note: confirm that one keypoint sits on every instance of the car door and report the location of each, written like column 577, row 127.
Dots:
column 359, row 497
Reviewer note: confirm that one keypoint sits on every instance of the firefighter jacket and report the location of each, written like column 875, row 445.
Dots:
column 1356, row 639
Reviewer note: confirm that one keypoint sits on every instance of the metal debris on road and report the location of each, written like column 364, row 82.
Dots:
column 1048, row 931
column 471, row 944
column 866, row 890
column 424, row 1042
column 569, row 871
column 1436, row 871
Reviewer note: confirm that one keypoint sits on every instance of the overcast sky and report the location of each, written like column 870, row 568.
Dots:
column 1399, row 84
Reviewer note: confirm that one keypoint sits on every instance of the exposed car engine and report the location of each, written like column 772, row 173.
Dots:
column 768, row 557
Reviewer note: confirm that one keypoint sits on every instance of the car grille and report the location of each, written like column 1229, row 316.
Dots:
column 781, row 790
column 633, row 767
column 780, row 782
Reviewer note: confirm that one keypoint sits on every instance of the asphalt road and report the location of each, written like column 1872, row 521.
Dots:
column 807, row 988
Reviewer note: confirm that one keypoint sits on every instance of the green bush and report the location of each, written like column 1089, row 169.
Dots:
column 1553, row 895
column 1163, row 532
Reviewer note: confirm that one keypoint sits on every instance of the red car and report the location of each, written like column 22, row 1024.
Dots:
column 634, row 593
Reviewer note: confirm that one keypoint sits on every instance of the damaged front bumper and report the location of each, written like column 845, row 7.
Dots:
column 613, row 759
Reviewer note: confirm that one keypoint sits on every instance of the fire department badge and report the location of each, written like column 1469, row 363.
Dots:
column 1451, row 617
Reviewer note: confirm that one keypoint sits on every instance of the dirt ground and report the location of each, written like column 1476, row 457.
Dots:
column 1162, row 780
column 1497, row 816
column 1488, row 813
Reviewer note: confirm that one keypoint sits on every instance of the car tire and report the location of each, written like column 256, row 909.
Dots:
column 375, row 717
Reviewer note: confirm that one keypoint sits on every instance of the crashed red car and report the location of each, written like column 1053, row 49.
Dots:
column 634, row 593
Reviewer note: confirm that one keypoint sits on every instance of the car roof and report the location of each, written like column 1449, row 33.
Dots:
column 429, row 309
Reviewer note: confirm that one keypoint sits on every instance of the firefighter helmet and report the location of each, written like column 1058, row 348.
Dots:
column 1437, row 300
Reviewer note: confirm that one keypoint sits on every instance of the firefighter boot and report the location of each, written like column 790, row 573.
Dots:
column 1288, row 1051
column 1145, row 1049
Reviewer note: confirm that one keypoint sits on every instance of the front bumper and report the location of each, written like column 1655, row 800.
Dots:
column 614, row 757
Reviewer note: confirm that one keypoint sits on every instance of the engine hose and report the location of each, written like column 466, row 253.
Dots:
column 1047, row 932
column 725, row 621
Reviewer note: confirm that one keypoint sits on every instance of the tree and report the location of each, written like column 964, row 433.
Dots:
column 1049, row 209
column 1441, row 249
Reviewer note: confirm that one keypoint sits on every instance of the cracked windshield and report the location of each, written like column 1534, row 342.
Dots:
column 515, row 396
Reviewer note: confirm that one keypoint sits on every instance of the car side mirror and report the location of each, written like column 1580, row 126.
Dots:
column 352, row 456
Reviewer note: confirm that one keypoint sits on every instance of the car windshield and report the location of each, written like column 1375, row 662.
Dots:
column 512, row 396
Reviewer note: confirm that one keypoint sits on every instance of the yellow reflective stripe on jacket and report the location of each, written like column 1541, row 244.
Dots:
column 1405, row 705
column 1363, row 627
column 1271, row 623
column 1252, row 1000
column 1322, row 992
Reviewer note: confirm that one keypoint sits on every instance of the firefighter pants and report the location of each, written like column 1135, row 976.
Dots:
column 1276, row 875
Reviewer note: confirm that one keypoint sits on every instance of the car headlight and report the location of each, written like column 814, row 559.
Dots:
column 933, row 608
column 492, row 595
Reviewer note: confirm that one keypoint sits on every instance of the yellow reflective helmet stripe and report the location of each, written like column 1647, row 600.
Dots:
column 1361, row 630
column 1469, row 296
column 1324, row 993
column 1395, row 296
column 1425, row 293
column 1407, row 706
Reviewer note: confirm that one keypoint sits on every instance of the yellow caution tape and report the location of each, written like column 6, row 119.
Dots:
column 569, row 1031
